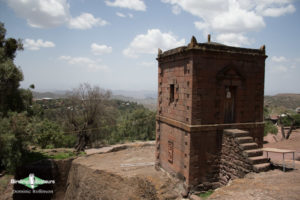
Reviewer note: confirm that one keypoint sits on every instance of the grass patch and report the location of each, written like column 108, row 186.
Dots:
column 206, row 194
column 64, row 155
column 33, row 156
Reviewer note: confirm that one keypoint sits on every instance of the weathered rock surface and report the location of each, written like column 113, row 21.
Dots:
column 125, row 174
column 271, row 185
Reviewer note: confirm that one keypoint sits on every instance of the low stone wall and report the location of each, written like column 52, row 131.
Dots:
column 233, row 163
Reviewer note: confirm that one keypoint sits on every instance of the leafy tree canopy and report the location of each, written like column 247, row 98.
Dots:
column 11, row 97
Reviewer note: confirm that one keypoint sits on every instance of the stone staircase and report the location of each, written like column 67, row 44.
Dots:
column 250, row 149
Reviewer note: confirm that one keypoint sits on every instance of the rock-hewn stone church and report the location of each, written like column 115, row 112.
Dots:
column 210, row 113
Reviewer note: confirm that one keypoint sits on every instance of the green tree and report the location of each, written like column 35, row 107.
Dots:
column 49, row 134
column 13, row 133
column 13, row 140
column 11, row 97
column 292, row 121
column 138, row 125
column 269, row 126
column 85, row 113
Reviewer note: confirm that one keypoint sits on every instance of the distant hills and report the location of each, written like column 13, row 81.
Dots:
column 53, row 95
column 139, row 94
column 146, row 98
column 149, row 98
column 288, row 101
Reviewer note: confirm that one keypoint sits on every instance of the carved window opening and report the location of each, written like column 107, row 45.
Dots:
column 172, row 93
column 229, row 104
column 170, row 151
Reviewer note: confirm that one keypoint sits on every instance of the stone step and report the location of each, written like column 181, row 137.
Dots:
column 253, row 152
column 261, row 167
column 248, row 146
column 258, row 160
column 241, row 140
column 236, row 132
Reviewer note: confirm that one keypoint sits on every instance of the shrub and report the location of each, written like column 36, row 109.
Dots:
column 287, row 121
column 13, row 140
column 48, row 134
column 270, row 128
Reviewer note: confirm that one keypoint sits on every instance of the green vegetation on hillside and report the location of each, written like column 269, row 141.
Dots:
column 282, row 103
column 86, row 114
column 14, row 103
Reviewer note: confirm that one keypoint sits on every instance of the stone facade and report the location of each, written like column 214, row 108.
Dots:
column 204, row 88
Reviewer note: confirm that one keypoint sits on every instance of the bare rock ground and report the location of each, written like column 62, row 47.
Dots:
column 271, row 185
column 125, row 174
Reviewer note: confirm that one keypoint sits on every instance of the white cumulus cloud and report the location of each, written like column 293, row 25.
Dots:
column 150, row 42
column 84, row 62
column 233, row 39
column 237, row 20
column 278, row 59
column 278, row 11
column 52, row 13
column 37, row 44
column 130, row 15
column 119, row 14
column 138, row 5
column 281, row 68
column 86, row 21
column 176, row 10
column 280, row 64
column 40, row 13
column 225, row 18
column 100, row 49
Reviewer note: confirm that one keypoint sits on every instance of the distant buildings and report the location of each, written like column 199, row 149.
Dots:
column 43, row 99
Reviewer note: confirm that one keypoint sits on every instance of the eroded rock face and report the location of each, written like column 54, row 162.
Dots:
column 86, row 183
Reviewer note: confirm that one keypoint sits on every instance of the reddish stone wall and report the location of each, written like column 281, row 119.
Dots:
column 190, row 126
column 175, row 157
column 205, row 157
column 178, row 74
column 209, row 92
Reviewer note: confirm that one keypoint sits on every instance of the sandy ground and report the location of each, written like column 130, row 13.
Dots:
column 275, row 141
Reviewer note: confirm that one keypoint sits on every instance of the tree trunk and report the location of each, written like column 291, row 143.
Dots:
column 290, row 130
column 292, row 127
column 82, row 141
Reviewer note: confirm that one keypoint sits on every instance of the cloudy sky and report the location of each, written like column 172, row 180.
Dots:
column 113, row 43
